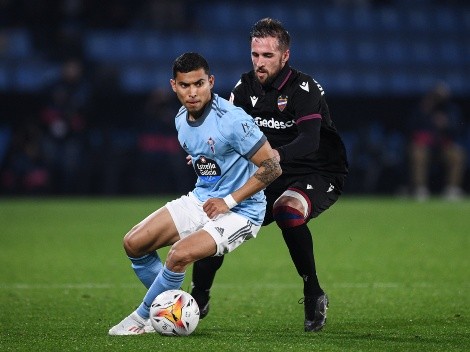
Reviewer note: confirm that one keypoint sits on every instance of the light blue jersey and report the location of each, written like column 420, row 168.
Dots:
column 220, row 143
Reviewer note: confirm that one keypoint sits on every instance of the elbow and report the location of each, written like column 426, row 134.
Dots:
column 278, row 171
column 269, row 170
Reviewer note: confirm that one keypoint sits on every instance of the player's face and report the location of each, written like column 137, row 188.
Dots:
column 267, row 58
column 193, row 90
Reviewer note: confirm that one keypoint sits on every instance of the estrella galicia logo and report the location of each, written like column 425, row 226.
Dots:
column 207, row 169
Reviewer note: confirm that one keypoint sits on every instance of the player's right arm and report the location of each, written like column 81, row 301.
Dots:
column 268, row 170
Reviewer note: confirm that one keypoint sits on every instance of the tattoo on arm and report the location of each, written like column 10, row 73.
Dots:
column 271, row 171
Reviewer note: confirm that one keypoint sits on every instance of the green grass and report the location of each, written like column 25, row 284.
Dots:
column 397, row 273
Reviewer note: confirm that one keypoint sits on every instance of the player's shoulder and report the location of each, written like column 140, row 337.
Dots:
column 181, row 112
column 245, row 81
column 303, row 82
column 226, row 111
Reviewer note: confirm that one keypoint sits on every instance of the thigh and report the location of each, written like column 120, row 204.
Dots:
column 272, row 193
column 195, row 246
column 156, row 231
column 229, row 231
column 319, row 191
column 187, row 214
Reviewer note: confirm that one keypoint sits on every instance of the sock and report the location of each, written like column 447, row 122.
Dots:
column 204, row 272
column 299, row 241
column 165, row 280
column 147, row 268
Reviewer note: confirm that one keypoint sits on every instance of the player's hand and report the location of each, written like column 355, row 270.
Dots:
column 189, row 160
column 214, row 207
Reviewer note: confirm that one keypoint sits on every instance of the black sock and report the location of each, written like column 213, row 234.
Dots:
column 300, row 244
column 204, row 272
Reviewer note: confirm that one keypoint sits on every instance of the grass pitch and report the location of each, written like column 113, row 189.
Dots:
column 396, row 271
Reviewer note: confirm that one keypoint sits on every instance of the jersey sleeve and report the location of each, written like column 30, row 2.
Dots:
column 307, row 99
column 238, row 96
column 242, row 133
column 307, row 103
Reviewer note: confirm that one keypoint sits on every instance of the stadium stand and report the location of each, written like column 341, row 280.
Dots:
column 382, row 55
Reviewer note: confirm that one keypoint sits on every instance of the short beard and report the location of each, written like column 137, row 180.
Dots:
column 267, row 82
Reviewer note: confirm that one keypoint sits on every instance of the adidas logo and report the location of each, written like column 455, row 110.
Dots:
column 309, row 186
column 220, row 230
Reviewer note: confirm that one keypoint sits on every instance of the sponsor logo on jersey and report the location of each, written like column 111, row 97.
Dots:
column 271, row 123
column 304, row 86
column 282, row 102
column 246, row 127
column 253, row 100
column 319, row 87
column 207, row 169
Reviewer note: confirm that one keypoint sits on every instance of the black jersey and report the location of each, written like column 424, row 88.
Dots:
column 279, row 109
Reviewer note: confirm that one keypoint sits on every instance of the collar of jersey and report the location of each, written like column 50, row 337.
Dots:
column 206, row 112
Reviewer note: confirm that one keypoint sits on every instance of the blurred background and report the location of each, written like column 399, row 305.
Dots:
column 86, row 106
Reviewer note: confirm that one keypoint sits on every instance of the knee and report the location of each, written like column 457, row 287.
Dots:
column 178, row 258
column 132, row 243
column 288, row 213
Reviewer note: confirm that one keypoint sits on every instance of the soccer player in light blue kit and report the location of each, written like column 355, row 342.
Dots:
column 234, row 163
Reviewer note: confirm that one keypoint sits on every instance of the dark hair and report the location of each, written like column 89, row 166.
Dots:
column 190, row 62
column 269, row 27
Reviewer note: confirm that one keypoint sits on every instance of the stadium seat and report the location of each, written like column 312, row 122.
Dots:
column 144, row 78
column 112, row 46
column 18, row 44
column 389, row 19
column 32, row 75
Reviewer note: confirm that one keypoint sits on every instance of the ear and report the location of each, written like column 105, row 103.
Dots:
column 173, row 85
column 211, row 81
column 285, row 56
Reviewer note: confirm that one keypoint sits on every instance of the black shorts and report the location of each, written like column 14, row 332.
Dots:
column 321, row 191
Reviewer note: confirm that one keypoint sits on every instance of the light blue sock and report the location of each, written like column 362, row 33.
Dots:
column 166, row 280
column 147, row 268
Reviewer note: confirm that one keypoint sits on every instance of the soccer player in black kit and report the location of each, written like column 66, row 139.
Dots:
column 290, row 108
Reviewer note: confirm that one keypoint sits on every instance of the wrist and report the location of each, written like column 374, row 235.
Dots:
column 230, row 201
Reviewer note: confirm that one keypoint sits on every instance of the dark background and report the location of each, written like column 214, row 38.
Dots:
column 113, row 133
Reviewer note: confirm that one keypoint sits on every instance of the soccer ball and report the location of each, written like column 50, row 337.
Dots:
column 174, row 313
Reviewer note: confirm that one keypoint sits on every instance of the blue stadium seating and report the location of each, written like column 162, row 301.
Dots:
column 18, row 43
column 409, row 44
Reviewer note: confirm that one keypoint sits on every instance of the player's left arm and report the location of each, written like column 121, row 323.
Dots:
column 306, row 142
column 268, row 170
column 308, row 112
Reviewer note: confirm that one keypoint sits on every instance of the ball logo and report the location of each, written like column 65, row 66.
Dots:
column 207, row 169
column 173, row 313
